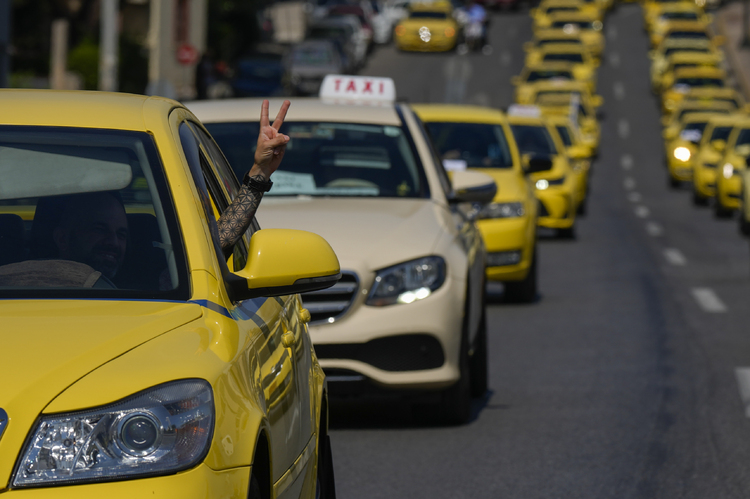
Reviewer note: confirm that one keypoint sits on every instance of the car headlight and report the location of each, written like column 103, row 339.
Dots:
column 407, row 282
column 728, row 170
column 502, row 210
column 682, row 153
column 164, row 429
column 544, row 183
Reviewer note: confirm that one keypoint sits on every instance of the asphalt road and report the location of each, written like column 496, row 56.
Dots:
column 622, row 381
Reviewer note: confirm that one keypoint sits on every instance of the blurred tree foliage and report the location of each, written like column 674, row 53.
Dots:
column 233, row 27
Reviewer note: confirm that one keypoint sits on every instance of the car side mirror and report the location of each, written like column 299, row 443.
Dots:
column 536, row 164
column 282, row 262
column 472, row 187
column 579, row 152
column 719, row 145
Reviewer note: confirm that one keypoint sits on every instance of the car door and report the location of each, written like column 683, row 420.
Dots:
column 259, row 317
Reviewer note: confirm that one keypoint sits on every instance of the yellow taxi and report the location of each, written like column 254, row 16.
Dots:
column 480, row 138
column 674, row 11
column 556, row 187
column 560, row 95
column 710, row 151
column 408, row 316
column 678, row 60
column 681, row 143
column 730, row 170
column 429, row 27
column 151, row 362
column 541, row 16
column 744, row 210
column 579, row 153
column 582, row 64
column 532, row 73
column 685, row 30
column 543, row 37
column 650, row 7
column 669, row 47
column 683, row 80
column 584, row 24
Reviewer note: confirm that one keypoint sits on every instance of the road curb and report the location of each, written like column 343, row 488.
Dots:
column 733, row 57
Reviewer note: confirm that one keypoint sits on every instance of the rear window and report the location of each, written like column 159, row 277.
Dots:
column 428, row 15
column 549, row 75
column 721, row 133
column 479, row 145
column 86, row 213
column 570, row 57
column 565, row 135
column 690, row 16
column 698, row 35
column 700, row 82
column 332, row 159
column 673, row 50
column 534, row 139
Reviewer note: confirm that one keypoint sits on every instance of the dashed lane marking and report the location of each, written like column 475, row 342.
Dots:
column 506, row 58
column 642, row 211
column 629, row 183
column 654, row 229
column 675, row 257
column 743, row 382
column 614, row 60
column 623, row 129
column 619, row 90
column 626, row 162
column 635, row 197
column 708, row 300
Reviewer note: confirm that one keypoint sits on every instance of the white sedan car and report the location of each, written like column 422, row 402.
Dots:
column 408, row 313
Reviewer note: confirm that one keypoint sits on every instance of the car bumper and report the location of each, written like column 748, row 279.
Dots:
column 200, row 482
column 557, row 210
column 679, row 170
column 434, row 45
column 505, row 236
column 364, row 339
column 728, row 193
column 704, row 180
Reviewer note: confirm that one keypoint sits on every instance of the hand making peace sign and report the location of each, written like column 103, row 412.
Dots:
column 271, row 143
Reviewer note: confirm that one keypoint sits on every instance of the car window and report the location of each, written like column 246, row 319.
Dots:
column 480, row 145
column 428, row 15
column 700, row 82
column 333, row 159
column 743, row 137
column 534, row 139
column 86, row 213
column 565, row 135
column 721, row 133
column 569, row 57
column 558, row 74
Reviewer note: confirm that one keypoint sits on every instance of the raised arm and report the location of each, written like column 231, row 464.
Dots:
column 268, row 155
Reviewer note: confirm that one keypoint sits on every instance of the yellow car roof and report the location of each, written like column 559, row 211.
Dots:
column 560, row 85
column 527, row 120
column 699, row 117
column 678, row 25
column 546, row 66
column 581, row 15
column 78, row 108
column 562, row 48
column 555, row 33
column 727, row 119
column 431, row 7
column 698, row 57
column 455, row 112
column 699, row 71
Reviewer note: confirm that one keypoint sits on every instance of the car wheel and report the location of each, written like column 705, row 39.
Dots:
column 523, row 291
column 581, row 210
column 254, row 492
column 455, row 404
column 673, row 182
column 720, row 211
column 699, row 199
column 325, row 486
column 478, row 362
column 569, row 233
column 744, row 225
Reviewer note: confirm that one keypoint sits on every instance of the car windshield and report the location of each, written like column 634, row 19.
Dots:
column 683, row 112
column 679, row 15
column 313, row 55
column 428, row 15
column 688, row 34
column 479, row 145
column 332, row 159
column 700, row 81
column 565, row 135
column 569, row 57
column 692, row 65
column 573, row 24
column 551, row 10
column 534, row 139
column 670, row 51
column 86, row 213
column 721, row 133
column 743, row 138
column 549, row 74
column 559, row 41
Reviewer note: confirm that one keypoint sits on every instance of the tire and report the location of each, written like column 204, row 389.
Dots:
column 673, row 182
column 699, row 199
column 524, row 291
column 720, row 211
column 569, row 233
column 254, row 489
column 325, row 486
column 478, row 362
column 744, row 225
column 582, row 206
column 455, row 404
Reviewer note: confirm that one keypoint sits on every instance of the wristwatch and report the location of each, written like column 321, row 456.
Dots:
column 255, row 184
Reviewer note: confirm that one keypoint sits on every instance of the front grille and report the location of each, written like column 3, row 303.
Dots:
column 409, row 352
column 329, row 304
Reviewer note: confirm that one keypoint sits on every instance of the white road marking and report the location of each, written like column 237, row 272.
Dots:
column 654, row 229
column 708, row 300
column 619, row 90
column 642, row 211
column 743, row 381
column 457, row 71
column 623, row 128
column 626, row 162
column 635, row 197
column 675, row 257
column 614, row 60
column 506, row 58
column 629, row 183
column 612, row 32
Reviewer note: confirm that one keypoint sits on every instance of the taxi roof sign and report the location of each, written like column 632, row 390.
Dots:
column 358, row 89
column 524, row 110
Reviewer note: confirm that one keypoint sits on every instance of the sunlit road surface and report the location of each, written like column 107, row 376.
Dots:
column 630, row 377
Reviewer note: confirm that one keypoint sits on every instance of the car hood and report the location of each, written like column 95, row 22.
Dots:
column 366, row 234
column 511, row 186
column 47, row 345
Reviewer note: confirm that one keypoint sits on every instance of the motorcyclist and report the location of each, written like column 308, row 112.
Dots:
column 477, row 16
